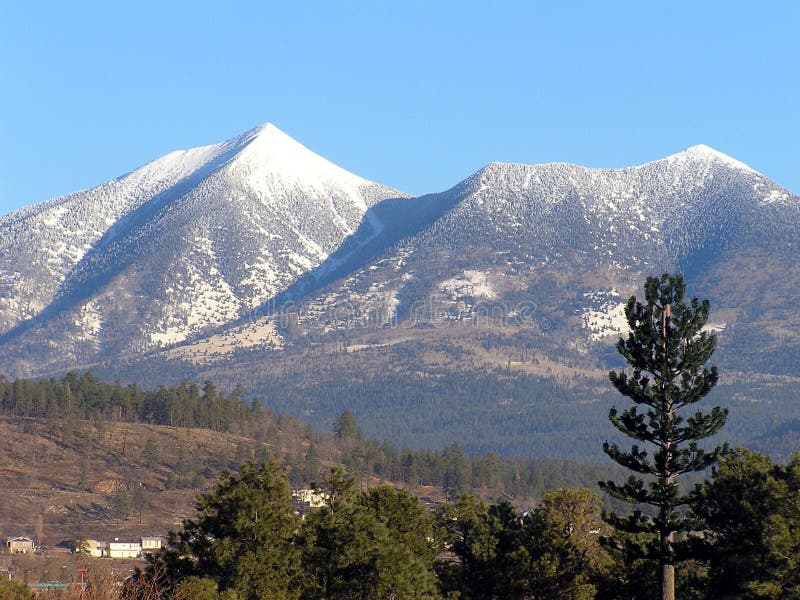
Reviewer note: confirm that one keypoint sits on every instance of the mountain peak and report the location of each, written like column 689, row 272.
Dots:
column 268, row 132
column 706, row 153
column 268, row 151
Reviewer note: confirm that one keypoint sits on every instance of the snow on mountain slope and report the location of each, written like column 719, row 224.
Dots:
column 188, row 242
column 200, row 239
column 41, row 243
column 557, row 237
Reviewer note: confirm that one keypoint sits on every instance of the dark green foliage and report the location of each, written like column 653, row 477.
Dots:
column 407, row 521
column 511, row 413
column 14, row 590
column 202, row 588
column 121, row 503
column 246, row 539
column 85, row 397
column 368, row 545
column 553, row 552
column 456, row 471
column 561, row 555
column 752, row 507
column 484, row 538
column 242, row 537
column 667, row 350
column 150, row 454
column 346, row 428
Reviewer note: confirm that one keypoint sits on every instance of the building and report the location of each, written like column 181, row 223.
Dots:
column 313, row 498
column 95, row 548
column 117, row 549
column 20, row 545
column 152, row 544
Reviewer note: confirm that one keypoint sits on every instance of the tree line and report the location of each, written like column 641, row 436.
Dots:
column 247, row 543
column 84, row 397
column 76, row 399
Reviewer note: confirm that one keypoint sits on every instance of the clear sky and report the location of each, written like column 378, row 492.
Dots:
column 413, row 94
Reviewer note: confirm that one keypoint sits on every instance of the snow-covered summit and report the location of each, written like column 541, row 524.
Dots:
column 701, row 152
column 272, row 149
column 269, row 159
column 191, row 240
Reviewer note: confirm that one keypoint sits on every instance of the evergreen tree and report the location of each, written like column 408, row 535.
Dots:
column 150, row 454
column 242, row 537
column 367, row 545
column 751, row 506
column 667, row 349
column 560, row 554
column 485, row 538
column 346, row 428
column 457, row 475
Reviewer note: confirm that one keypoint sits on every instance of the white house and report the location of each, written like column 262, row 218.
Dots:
column 314, row 498
column 20, row 545
column 118, row 549
column 152, row 544
column 95, row 548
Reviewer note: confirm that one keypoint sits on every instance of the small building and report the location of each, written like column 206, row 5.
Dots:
column 20, row 545
column 117, row 549
column 152, row 544
column 312, row 498
column 95, row 548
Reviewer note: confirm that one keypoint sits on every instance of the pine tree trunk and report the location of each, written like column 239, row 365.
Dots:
column 668, row 412
column 667, row 582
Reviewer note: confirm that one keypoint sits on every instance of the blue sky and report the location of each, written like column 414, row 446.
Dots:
column 417, row 95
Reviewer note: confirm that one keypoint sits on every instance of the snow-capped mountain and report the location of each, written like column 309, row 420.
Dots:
column 257, row 261
column 570, row 244
column 191, row 241
column 226, row 235
column 489, row 311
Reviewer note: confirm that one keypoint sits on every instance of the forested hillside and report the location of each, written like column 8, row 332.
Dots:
column 84, row 456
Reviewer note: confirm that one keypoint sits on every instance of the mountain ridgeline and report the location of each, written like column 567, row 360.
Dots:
column 485, row 313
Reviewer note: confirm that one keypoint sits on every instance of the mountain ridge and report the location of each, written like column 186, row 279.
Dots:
column 257, row 259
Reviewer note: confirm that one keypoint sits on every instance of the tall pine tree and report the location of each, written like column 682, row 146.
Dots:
column 667, row 350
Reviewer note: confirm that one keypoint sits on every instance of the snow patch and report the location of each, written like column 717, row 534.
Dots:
column 604, row 315
column 469, row 283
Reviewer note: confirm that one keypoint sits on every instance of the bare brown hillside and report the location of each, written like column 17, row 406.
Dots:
column 68, row 479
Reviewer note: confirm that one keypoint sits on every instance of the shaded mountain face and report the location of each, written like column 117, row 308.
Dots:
column 482, row 313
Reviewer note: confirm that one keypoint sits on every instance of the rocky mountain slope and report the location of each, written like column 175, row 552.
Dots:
column 496, row 302
column 191, row 241
column 559, row 248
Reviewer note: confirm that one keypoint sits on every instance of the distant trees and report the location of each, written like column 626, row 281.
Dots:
column 346, row 428
column 667, row 350
column 457, row 471
column 85, row 397
column 295, row 445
